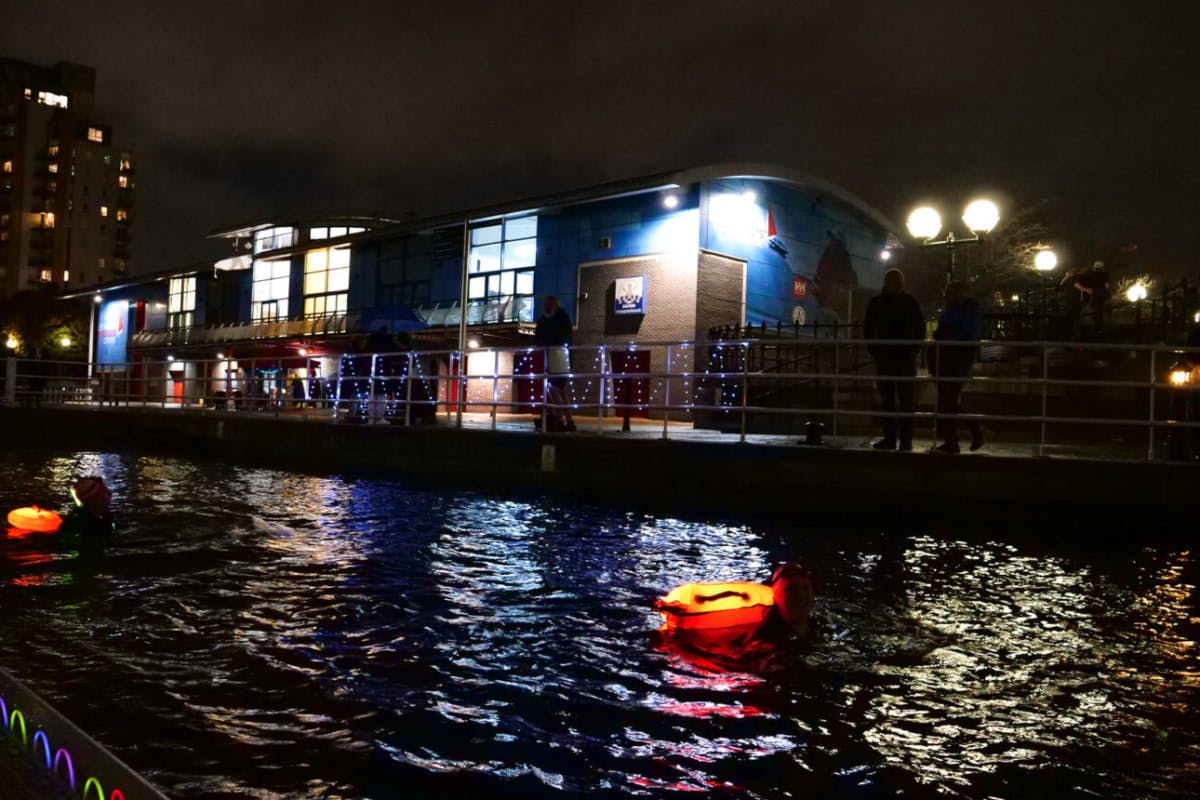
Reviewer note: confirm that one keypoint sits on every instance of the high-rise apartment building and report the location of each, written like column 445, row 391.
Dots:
column 66, row 191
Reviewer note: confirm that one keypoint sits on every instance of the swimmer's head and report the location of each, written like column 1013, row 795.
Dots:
column 793, row 590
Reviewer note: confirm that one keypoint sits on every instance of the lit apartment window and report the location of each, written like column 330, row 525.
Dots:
column 66, row 275
column 126, row 164
column 95, row 135
column 123, row 181
column 502, row 258
column 332, row 232
column 52, row 150
column 101, row 263
column 52, row 167
column 7, row 167
column 273, row 239
column 44, row 276
column 28, row 93
column 269, row 295
column 181, row 302
column 52, row 99
column 122, row 215
column 47, row 219
column 326, row 281
column 104, row 211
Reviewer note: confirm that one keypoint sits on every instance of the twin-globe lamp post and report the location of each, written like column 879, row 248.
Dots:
column 925, row 223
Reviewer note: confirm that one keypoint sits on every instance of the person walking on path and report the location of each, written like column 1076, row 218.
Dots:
column 553, row 332
column 951, row 364
column 895, row 314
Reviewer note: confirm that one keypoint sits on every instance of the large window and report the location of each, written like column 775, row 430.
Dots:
column 273, row 239
column 500, row 280
column 326, row 281
column 181, row 302
column 269, row 295
column 334, row 232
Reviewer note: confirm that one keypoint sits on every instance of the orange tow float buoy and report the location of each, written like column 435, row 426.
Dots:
column 35, row 519
column 696, row 606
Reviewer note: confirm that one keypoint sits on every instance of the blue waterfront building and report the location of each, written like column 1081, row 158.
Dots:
column 667, row 257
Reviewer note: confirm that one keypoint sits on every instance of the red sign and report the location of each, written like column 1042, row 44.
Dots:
column 799, row 286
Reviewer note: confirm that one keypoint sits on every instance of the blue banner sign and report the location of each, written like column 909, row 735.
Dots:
column 113, row 334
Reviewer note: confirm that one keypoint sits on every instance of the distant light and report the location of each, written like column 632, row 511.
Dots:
column 96, row 298
column 1181, row 375
column 11, row 343
column 303, row 352
column 981, row 216
column 671, row 201
column 1045, row 261
column 924, row 223
column 1136, row 293
column 473, row 344
column 220, row 356
column 1196, row 318
column 170, row 357
column 886, row 255
column 749, row 195
column 65, row 341
column 1016, row 298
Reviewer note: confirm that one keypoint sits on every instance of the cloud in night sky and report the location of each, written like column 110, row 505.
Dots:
column 245, row 110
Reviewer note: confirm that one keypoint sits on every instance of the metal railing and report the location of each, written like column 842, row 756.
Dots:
column 1117, row 400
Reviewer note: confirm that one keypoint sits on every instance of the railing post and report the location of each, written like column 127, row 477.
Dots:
column 835, row 386
column 408, row 374
column 937, row 360
column 603, row 381
column 667, row 395
column 461, row 380
column 545, row 384
column 1153, row 380
column 495, row 385
column 1045, row 390
column 371, row 391
column 745, row 386
column 10, row 381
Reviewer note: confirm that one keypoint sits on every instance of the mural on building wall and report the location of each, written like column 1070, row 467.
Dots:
column 810, row 258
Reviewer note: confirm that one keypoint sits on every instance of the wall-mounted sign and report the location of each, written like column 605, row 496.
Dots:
column 799, row 286
column 112, row 333
column 630, row 296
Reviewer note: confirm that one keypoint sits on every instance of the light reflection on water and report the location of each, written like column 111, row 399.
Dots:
column 263, row 634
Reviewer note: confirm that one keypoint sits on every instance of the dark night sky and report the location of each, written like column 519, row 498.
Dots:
column 241, row 110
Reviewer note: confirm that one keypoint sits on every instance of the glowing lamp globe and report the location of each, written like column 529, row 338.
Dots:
column 1180, row 375
column 1045, row 261
column 924, row 223
column 11, row 343
column 1136, row 293
column 65, row 341
column 981, row 216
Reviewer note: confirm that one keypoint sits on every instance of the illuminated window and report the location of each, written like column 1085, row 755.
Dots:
column 95, row 135
column 269, row 295
column 48, row 219
column 126, row 165
column 122, row 215
column 326, row 281
column 44, row 276
column 66, row 275
column 273, row 239
column 52, row 150
column 500, row 286
column 181, row 302
column 7, row 167
column 50, row 99
column 52, row 167
column 104, row 211
column 123, row 181
column 29, row 94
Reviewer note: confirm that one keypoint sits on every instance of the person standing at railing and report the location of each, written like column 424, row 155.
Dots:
column 952, row 363
column 1094, row 284
column 553, row 332
column 895, row 314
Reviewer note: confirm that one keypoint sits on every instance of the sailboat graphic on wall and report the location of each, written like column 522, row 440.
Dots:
column 773, row 240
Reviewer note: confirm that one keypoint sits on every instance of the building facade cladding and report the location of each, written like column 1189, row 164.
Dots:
column 65, row 190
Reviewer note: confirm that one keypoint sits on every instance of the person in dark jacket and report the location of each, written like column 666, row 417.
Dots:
column 895, row 314
column 952, row 364
column 553, row 332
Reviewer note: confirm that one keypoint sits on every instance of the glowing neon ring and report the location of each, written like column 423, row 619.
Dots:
column 4, row 712
column 17, row 715
column 89, row 784
column 45, row 745
column 115, row 794
column 62, row 751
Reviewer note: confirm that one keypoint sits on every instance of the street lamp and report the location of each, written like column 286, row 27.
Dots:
column 980, row 217
column 11, row 343
column 1136, row 293
column 64, row 341
column 1044, row 262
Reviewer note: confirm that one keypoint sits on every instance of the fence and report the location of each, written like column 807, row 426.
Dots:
column 1130, row 401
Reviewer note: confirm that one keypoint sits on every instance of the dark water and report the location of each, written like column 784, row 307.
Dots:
column 262, row 634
